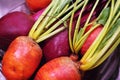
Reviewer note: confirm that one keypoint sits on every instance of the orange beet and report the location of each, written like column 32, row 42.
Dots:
column 61, row 68
column 21, row 59
column 36, row 5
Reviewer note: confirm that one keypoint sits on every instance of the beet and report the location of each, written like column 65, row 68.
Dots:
column 12, row 25
column 62, row 68
column 56, row 46
column 21, row 59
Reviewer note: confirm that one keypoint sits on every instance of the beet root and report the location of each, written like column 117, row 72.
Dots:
column 62, row 68
column 12, row 25
column 56, row 46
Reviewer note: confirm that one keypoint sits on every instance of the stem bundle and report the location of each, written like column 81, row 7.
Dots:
column 60, row 11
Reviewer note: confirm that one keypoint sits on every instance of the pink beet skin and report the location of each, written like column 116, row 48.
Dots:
column 93, row 35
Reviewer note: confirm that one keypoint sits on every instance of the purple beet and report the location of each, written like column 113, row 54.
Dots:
column 12, row 25
column 56, row 46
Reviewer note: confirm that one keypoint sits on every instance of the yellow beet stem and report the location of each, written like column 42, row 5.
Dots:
column 83, row 38
column 50, row 34
column 94, row 57
column 108, row 53
column 81, row 32
column 98, row 55
column 53, row 16
column 78, row 23
column 87, row 21
column 39, row 20
column 70, row 27
column 45, row 20
column 97, row 41
column 57, row 17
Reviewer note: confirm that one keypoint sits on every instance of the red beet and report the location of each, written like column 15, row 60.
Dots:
column 56, row 46
column 93, row 35
column 12, row 25
column 37, row 14
column 62, row 68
